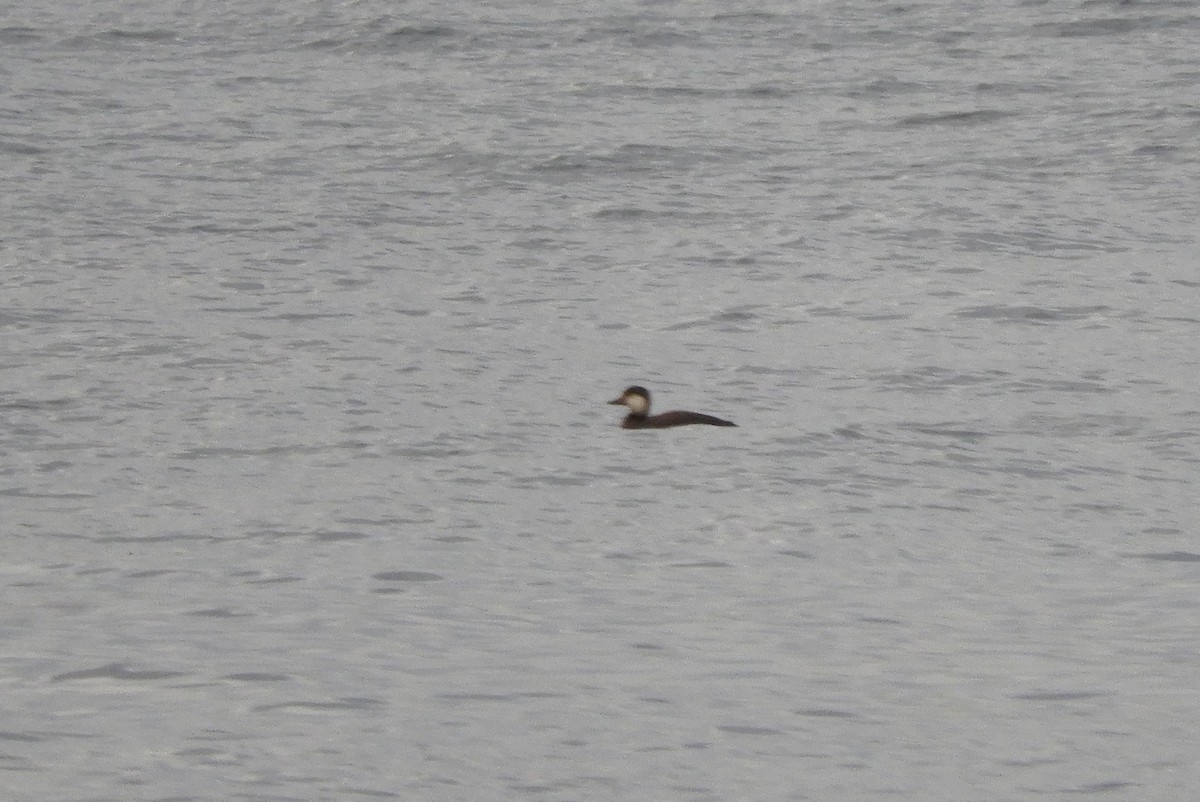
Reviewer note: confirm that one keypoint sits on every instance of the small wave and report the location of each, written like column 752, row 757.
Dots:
column 150, row 35
column 953, row 431
column 933, row 378
column 16, row 34
column 1095, row 27
column 1031, row 314
column 422, row 33
column 407, row 576
column 1060, row 696
column 623, row 213
column 978, row 117
column 117, row 671
column 1171, row 556
column 403, row 38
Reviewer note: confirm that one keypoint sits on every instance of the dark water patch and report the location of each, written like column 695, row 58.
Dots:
column 1065, row 550
column 469, row 296
column 831, row 311
column 243, row 285
column 621, row 555
column 335, row 536
column 800, row 555
column 950, row 430
column 218, row 612
column 19, row 736
column 825, row 712
column 1110, row 26
column 265, row 80
column 422, row 33
column 936, row 507
column 268, row 532
column 624, row 213
column 154, row 573
column 275, row 580
column 762, row 370
column 745, row 729
column 427, row 452
column 345, row 703
column 852, row 432
column 1082, row 425
column 479, row 697
column 146, row 35
column 1169, row 556
column 725, row 17
column 257, row 676
column 221, row 452
column 90, row 571
column 955, row 118
column 703, row 564
column 636, row 158
column 1059, row 696
column 1156, row 150
column 515, row 696
column 250, row 226
column 1015, row 87
column 403, row 39
column 1037, row 242
column 654, row 700
column 308, row 317
column 1097, row 506
column 886, row 87
column 934, row 378
column 19, row 492
column 1033, row 762
column 577, row 479
column 1059, row 385
column 19, row 148
column 17, row 34
column 767, row 91
column 407, row 576
column 386, row 522
column 325, row 42
column 117, row 671
column 1101, row 788
column 352, row 791
column 1030, row 314
column 117, row 41
column 1032, row 469
column 642, row 31
column 728, row 320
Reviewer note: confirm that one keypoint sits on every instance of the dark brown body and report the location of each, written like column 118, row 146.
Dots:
column 637, row 399
column 668, row 419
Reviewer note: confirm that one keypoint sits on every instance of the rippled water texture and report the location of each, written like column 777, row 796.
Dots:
column 310, row 312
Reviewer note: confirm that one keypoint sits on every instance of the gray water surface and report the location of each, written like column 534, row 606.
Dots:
column 310, row 312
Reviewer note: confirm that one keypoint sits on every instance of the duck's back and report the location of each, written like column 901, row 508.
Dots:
column 676, row 417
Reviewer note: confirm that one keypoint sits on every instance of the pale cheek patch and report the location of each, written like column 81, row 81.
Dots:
column 637, row 405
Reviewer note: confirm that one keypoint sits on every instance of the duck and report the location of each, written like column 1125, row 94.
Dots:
column 637, row 400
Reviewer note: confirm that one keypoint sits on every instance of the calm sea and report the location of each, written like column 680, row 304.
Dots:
column 308, row 317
